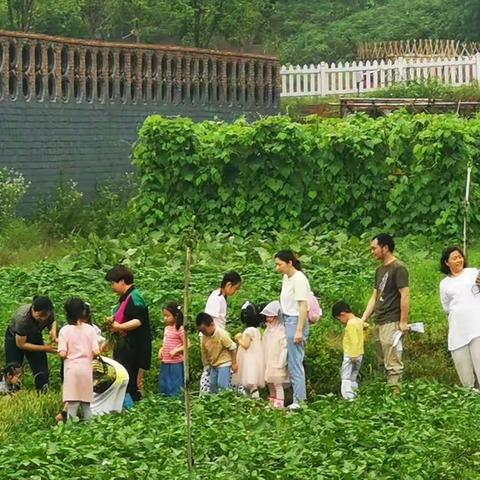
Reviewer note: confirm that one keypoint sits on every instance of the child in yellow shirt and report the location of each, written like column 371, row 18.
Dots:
column 219, row 352
column 353, row 349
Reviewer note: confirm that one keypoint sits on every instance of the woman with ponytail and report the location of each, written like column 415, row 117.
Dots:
column 294, row 306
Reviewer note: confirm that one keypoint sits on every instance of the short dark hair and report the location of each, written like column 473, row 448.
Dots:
column 42, row 304
column 341, row 307
column 203, row 319
column 231, row 277
column 288, row 256
column 174, row 309
column 444, row 268
column 385, row 240
column 76, row 309
column 119, row 273
column 12, row 368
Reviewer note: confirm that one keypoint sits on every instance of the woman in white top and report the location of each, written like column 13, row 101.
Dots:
column 294, row 304
column 216, row 307
column 460, row 297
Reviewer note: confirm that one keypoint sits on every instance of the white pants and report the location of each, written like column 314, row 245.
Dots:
column 74, row 407
column 349, row 373
column 467, row 363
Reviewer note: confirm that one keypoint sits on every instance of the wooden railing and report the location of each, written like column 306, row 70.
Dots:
column 44, row 68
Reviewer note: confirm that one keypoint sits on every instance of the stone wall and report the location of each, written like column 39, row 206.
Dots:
column 72, row 108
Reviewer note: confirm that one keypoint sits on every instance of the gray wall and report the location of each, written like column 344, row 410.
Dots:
column 88, row 143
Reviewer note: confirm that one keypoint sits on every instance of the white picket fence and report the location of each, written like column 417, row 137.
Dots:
column 350, row 78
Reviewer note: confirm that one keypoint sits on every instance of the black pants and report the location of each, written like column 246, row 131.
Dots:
column 37, row 360
column 124, row 355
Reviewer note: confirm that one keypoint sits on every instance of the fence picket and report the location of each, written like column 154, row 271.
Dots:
column 343, row 78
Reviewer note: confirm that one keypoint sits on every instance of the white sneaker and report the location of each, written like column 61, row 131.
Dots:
column 294, row 406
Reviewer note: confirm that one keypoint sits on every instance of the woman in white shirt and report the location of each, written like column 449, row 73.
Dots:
column 460, row 297
column 216, row 307
column 294, row 303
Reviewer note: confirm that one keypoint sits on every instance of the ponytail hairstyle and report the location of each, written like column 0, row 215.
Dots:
column 177, row 313
column 289, row 257
column 250, row 315
column 76, row 309
column 231, row 277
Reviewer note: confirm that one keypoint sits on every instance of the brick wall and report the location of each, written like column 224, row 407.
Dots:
column 71, row 109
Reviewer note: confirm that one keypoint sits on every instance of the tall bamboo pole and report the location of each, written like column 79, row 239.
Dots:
column 188, row 414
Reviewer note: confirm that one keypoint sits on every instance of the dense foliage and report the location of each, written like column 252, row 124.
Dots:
column 298, row 31
column 404, row 173
column 425, row 433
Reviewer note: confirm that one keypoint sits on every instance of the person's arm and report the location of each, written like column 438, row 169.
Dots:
column 404, row 308
column 127, row 326
column 302, row 319
column 445, row 299
column 203, row 352
column 180, row 348
column 370, row 306
column 22, row 344
column 233, row 356
column 53, row 331
column 231, row 346
column 243, row 340
column 62, row 345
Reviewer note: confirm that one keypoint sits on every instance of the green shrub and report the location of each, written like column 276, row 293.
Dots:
column 404, row 172
column 108, row 213
column 13, row 187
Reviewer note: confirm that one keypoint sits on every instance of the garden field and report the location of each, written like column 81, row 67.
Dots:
column 320, row 188
column 426, row 432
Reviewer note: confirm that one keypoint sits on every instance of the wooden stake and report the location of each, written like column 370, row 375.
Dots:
column 188, row 413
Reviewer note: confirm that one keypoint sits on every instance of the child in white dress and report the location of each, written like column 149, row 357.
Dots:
column 275, row 350
column 250, row 356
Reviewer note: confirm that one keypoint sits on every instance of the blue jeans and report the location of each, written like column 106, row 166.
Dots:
column 296, row 354
column 220, row 378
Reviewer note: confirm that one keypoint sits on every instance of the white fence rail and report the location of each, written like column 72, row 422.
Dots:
column 348, row 78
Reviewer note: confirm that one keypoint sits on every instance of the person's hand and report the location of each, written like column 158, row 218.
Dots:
column 174, row 352
column 115, row 327
column 404, row 327
column 235, row 367
column 298, row 338
column 51, row 348
column 238, row 336
column 354, row 360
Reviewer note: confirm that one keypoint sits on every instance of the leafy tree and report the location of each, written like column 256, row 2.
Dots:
column 20, row 14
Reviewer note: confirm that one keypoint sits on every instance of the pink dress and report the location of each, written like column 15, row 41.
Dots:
column 275, row 348
column 251, row 363
column 81, row 344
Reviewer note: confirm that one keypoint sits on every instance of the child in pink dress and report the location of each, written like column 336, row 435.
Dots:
column 171, row 379
column 78, row 346
column 250, row 356
column 275, row 348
